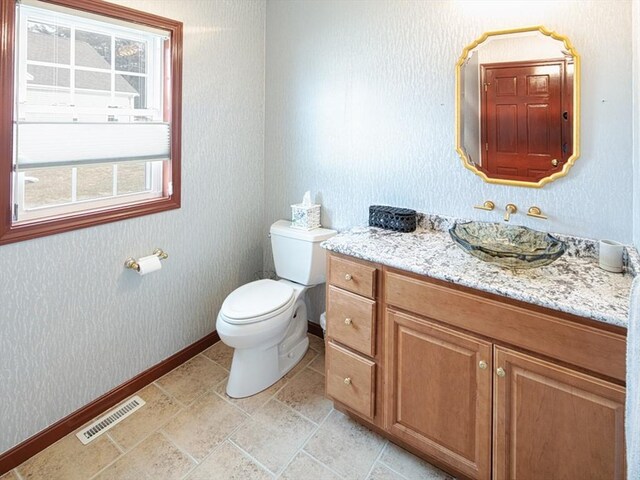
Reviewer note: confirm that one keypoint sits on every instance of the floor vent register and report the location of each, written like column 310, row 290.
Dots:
column 109, row 419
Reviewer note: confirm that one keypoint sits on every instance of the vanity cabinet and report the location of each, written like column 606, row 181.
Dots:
column 482, row 386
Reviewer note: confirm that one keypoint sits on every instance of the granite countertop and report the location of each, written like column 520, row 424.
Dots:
column 574, row 283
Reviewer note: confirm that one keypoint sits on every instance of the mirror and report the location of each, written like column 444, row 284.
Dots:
column 517, row 106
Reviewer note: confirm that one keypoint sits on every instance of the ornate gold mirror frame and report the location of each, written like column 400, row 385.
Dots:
column 576, row 108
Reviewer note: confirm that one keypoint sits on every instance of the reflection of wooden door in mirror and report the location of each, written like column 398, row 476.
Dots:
column 522, row 119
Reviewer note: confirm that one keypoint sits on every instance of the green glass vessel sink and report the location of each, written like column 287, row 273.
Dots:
column 509, row 246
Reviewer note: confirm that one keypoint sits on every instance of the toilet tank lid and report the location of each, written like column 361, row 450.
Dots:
column 284, row 229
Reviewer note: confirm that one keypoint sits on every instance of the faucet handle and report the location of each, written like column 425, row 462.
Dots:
column 510, row 210
column 488, row 205
column 536, row 212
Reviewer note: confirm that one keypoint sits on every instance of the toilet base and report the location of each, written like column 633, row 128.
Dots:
column 253, row 370
column 257, row 368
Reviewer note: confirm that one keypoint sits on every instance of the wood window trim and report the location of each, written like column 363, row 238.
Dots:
column 10, row 233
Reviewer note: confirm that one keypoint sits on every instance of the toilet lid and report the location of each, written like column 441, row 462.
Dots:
column 250, row 302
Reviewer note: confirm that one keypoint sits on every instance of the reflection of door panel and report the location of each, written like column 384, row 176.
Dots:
column 567, row 113
column 522, row 119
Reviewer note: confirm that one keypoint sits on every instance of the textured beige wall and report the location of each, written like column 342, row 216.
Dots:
column 73, row 322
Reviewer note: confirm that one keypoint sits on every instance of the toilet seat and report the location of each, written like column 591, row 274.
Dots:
column 257, row 301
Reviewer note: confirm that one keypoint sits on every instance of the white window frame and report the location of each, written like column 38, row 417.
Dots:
column 154, row 63
column 154, row 78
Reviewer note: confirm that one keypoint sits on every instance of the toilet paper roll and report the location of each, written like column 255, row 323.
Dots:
column 149, row 264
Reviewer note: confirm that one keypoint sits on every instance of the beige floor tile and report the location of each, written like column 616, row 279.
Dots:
column 69, row 459
column 204, row 425
column 232, row 438
column 302, row 364
column 221, row 354
column 345, row 446
column 158, row 410
column 380, row 472
column 316, row 343
column 318, row 363
column 9, row 476
column 410, row 466
column 303, row 466
column 305, row 394
column 127, row 468
column 273, row 435
column 252, row 403
column 156, row 457
column 230, row 463
column 192, row 379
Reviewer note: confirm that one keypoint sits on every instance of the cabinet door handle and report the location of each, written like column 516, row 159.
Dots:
column 347, row 381
column 500, row 372
column 347, row 321
column 482, row 364
column 347, row 277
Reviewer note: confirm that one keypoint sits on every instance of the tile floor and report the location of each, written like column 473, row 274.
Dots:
column 189, row 429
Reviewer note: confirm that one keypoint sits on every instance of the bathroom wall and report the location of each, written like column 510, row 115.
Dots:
column 636, row 123
column 74, row 324
column 360, row 109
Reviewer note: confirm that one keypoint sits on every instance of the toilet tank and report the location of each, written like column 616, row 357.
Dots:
column 297, row 254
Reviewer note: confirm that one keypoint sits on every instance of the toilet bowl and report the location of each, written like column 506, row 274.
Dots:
column 269, row 343
column 265, row 321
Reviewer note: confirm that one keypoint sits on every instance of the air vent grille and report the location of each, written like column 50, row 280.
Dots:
column 109, row 419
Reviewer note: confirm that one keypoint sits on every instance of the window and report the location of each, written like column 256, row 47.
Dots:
column 90, row 119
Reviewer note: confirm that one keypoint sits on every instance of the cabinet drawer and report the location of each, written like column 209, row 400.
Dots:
column 569, row 341
column 351, row 320
column 354, row 277
column 351, row 380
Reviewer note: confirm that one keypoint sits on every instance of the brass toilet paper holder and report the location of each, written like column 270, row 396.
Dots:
column 132, row 263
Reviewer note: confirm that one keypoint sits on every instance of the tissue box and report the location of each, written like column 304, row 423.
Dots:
column 305, row 217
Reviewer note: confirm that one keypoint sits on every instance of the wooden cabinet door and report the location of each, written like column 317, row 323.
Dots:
column 555, row 423
column 438, row 392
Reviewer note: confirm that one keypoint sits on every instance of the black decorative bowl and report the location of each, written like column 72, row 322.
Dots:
column 509, row 246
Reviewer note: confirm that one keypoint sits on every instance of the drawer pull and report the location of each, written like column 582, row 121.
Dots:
column 500, row 372
column 347, row 381
column 347, row 321
column 347, row 277
column 482, row 364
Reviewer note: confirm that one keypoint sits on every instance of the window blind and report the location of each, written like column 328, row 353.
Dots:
column 42, row 144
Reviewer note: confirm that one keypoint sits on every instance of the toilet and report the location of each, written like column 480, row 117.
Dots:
column 266, row 321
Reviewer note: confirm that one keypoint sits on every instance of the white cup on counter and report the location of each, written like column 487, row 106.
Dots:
column 611, row 256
